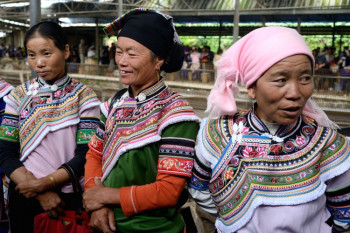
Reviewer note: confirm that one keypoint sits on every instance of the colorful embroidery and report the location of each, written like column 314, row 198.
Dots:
column 257, row 170
column 43, row 108
column 134, row 123
column 86, row 128
column 9, row 128
column 4, row 88
column 176, row 156
column 338, row 204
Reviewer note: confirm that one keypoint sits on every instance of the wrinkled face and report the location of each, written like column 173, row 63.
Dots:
column 136, row 66
column 46, row 59
column 282, row 91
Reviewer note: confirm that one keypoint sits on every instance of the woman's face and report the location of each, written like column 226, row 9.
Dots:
column 136, row 66
column 282, row 91
column 46, row 59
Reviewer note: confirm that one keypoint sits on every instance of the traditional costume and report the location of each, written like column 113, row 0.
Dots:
column 265, row 177
column 5, row 88
column 145, row 143
column 45, row 126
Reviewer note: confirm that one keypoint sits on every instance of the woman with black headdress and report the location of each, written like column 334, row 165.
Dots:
column 143, row 150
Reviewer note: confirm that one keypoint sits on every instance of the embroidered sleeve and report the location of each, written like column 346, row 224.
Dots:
column 87, row 126
column 202, row 171
column 338, row 204
column 200, row 176
column 176, row 150
column 5, row 88
column 9, row 142
column 9, row 127
column 14, row 97
column 338, row 199
column 198, row 186
column 96, row 142
column 336, row 157
column 2, row 109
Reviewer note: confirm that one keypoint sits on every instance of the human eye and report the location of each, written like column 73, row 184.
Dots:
column 31, row 55
column 118, row 51
column 132, row 54
column 47, row 53
column 279, row 80
column 306, row 79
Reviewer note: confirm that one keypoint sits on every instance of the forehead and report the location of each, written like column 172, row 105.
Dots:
column 128, row 43
column 300, row 60
column 38, row 40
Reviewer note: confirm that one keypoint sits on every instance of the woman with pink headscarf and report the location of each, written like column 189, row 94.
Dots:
column 280, row 166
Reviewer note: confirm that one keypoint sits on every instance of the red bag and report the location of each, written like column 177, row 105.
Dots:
column 72, row 221
column 69, row 222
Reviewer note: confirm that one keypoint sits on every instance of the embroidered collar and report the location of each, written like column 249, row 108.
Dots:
column 40, row 83
column 282, row 132
column 144, row 95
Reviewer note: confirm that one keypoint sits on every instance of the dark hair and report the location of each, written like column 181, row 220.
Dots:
column 48, row 29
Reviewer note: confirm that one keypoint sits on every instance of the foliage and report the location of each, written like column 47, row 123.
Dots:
column 211, row 41
column 314, row 41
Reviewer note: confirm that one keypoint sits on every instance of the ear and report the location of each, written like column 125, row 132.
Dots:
column 66, row 52
column 159, row 63
column 251, row 92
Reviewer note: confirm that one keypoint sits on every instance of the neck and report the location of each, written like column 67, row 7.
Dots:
column 135, row 90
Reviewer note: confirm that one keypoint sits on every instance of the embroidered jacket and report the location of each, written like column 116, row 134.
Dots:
column 136, row 122
column 41, row 108
column 245, row 167
column 5, row 88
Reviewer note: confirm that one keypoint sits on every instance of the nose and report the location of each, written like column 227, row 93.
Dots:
column 40, row 62
column 293, row 91
column 120, row 59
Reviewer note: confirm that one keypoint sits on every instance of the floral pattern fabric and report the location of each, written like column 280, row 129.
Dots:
column 42, row 108
column 136, row 122
column 244, row 166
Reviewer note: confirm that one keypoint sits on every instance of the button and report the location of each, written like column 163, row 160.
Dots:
column 141, row 97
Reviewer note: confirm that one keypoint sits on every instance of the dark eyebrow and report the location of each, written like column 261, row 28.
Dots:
column 41, row 50
column 278, row 73
column 285, row 73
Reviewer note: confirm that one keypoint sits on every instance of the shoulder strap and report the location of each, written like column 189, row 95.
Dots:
column 116, row 98
column 74, row 179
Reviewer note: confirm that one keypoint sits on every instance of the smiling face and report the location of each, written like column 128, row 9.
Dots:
column 137, row 67
column 46, row 59
column 282, row 91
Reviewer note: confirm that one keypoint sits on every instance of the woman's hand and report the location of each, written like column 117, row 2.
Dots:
column 103, row 220
column 51, row 203
column 92, row 197
column 30, row 188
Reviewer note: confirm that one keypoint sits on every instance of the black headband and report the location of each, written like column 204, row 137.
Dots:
column 155, row 31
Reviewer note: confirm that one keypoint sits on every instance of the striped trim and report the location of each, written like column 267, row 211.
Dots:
column 241, row 181
column 48, row 110
column 134, row 124
column 4, row 88
column 132, row 199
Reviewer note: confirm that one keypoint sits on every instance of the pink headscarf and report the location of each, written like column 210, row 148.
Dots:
column 248, row 59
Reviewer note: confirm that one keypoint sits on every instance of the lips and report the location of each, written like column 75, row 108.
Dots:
column 42, row 73
column 291, row 109
column 124, row 73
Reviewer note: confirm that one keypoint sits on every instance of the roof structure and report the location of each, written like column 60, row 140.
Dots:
column 189, row 12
